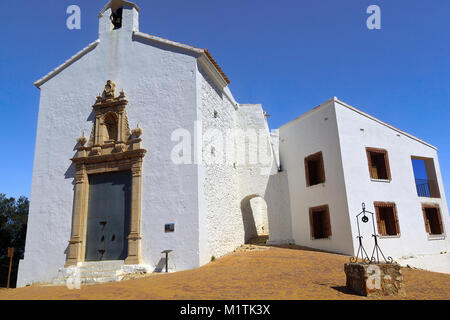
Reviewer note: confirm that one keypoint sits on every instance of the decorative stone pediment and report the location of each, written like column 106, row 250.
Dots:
column 110, row 148
column 110, row 137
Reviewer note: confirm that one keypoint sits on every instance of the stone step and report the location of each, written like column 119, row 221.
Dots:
column 92, row 272
column 92, row 280
column 100, row 273
column 102, row 266
column 83, row 269
column 105, row 263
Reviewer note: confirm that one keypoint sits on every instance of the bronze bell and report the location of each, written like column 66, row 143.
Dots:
column 116, row 18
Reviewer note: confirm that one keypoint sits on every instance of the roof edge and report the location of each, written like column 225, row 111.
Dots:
column 67, row 63
column 167, row 41
column 205, row 58
column 335, row 99
column 383, row 123
column 308, row 113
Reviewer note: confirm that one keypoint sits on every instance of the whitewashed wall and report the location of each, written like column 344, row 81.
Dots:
column 356, row 132
column 160, row 84
column 221, row 228
column 254, row 165
column 313, row 132
column 279, row 209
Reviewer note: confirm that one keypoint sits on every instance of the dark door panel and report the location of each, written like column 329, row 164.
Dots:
column 108, row 223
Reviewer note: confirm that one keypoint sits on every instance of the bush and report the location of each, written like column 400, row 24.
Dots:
column 13, row 230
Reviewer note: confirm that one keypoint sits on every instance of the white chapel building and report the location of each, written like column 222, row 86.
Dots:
column 141, row 148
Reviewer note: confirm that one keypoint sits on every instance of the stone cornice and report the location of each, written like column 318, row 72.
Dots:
column 139, row 153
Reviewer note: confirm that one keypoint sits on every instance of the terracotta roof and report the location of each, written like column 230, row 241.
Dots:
column 217, row 66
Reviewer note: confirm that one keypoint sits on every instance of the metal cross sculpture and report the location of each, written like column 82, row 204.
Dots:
column 375, row 258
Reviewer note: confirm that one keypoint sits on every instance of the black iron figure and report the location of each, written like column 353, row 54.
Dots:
column 375, row 258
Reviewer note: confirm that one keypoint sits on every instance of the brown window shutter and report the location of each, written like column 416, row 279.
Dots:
column 311, row 223
column 427, row 224
column 307, row 174
column 386, row 162
column 397, row 224
column 373, row 173
column 441, row 227
column 377, row 215
column 327, row 223
column 382, row 227
column 322, row 168
column 369, row 159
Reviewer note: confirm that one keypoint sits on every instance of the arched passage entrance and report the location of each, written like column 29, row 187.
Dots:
column 254, row 217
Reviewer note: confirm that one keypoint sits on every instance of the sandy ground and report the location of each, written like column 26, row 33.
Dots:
column 269, row 273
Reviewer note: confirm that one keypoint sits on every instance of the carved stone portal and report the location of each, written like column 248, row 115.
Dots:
column 111, row 147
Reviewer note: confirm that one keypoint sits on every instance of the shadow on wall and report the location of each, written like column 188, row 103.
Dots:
column 254, row 217
column 161, row 266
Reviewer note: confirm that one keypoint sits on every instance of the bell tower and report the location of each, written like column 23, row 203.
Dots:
column 119, row 16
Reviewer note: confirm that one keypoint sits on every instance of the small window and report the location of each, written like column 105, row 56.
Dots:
column 314, row 169
column 319, row 219
column 378, row 164
column 433, row 220
column 387, row 219
column 169, row 227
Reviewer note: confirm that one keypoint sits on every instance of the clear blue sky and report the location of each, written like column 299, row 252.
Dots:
column 288, row 55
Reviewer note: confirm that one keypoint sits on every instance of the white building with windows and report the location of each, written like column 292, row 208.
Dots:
column 346, row 157
column 201, row 174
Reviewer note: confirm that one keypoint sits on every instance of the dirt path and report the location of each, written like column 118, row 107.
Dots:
column 276, row 273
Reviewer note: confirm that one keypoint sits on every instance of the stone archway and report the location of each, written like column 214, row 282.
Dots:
column 254, row 217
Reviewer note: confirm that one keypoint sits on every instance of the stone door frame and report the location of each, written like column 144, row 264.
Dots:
column 99, row 156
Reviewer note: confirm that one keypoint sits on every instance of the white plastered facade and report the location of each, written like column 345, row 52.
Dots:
column 342, row 133
column 171, row 86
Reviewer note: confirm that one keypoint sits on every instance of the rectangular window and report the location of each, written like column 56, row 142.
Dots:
column 433, row 219
column 319, row 219
column 425, row 177
column 387, row 219
column 314, row 169
column 378, row 164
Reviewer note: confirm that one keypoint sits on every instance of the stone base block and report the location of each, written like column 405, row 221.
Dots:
column 374, row 279
column 98, row 272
